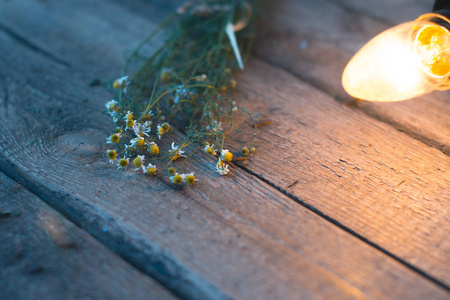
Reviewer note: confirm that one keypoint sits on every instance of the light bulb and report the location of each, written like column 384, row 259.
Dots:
column 403, row 62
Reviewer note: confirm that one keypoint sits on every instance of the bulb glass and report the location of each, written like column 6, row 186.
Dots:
column 406, row 61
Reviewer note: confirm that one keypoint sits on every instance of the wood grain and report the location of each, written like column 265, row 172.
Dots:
column 316, row 39
column 239, row 234
column 384, row 185
column 44, row 256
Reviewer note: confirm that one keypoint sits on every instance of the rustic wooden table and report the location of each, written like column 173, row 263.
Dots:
column 344, row 199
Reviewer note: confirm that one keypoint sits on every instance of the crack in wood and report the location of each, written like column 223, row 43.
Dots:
column 32, row 46
column 292, row 184
column 358, row 12
column 348, row 230
column 5, row 100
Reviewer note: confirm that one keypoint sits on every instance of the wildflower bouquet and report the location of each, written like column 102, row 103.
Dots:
column 186, row 81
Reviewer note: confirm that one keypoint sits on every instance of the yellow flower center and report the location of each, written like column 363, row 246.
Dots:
column 137, row 162
column 140, row 141
column 115, row 138
column 151, row 171
column 130, row 123
column 190, row 179
column 220, row 164
column 166, row 127
column 165, row 76
column 228, row 157
column 123, row 162
column 154, row 149
column 177, row 179
column 112, row 154
column 116, row 84
column 209, row 150
column 245, row 151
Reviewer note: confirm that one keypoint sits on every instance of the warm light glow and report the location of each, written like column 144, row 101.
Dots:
column 403, row 62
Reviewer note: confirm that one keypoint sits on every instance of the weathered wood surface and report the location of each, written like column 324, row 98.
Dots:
column 316, row 39
column 391, row 12
column 347, row 166
column 379, row 173
column 271, row 246
column 239, row 234
column 44, row 256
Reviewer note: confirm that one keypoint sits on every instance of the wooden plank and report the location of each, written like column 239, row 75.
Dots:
column 244, row 237
column 44, row 256
column 315, row 39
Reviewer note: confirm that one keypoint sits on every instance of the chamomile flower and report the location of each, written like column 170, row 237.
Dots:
column 121, row 83
column 165, row 75
column 221, row 167
column 147, row 116
column 130, row 124
column 153, row 148
column 189, row 178
column 180, row 94
column 245, row 151
column 214, row 126
column 138, row 161
column 201, row 78
column 139, row 141
column 209, row 149
column 166, row 126
column 227, row 155
column 123, row 163
column 115, row 115
column 176, row 152
column 113, row 139
column 177, row 179
column 112, row 105
column 141, row 129
column 149, row 170
column 171, row 170
column 112, row 155
column 220, row 163
column 128, row 115
column 160, row 131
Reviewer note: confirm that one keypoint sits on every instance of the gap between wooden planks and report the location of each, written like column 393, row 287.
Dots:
column 56, row 92
column 44, row 256
column 387, row 11
column 315, row 39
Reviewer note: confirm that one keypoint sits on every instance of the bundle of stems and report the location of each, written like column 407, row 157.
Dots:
column 186, row 81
